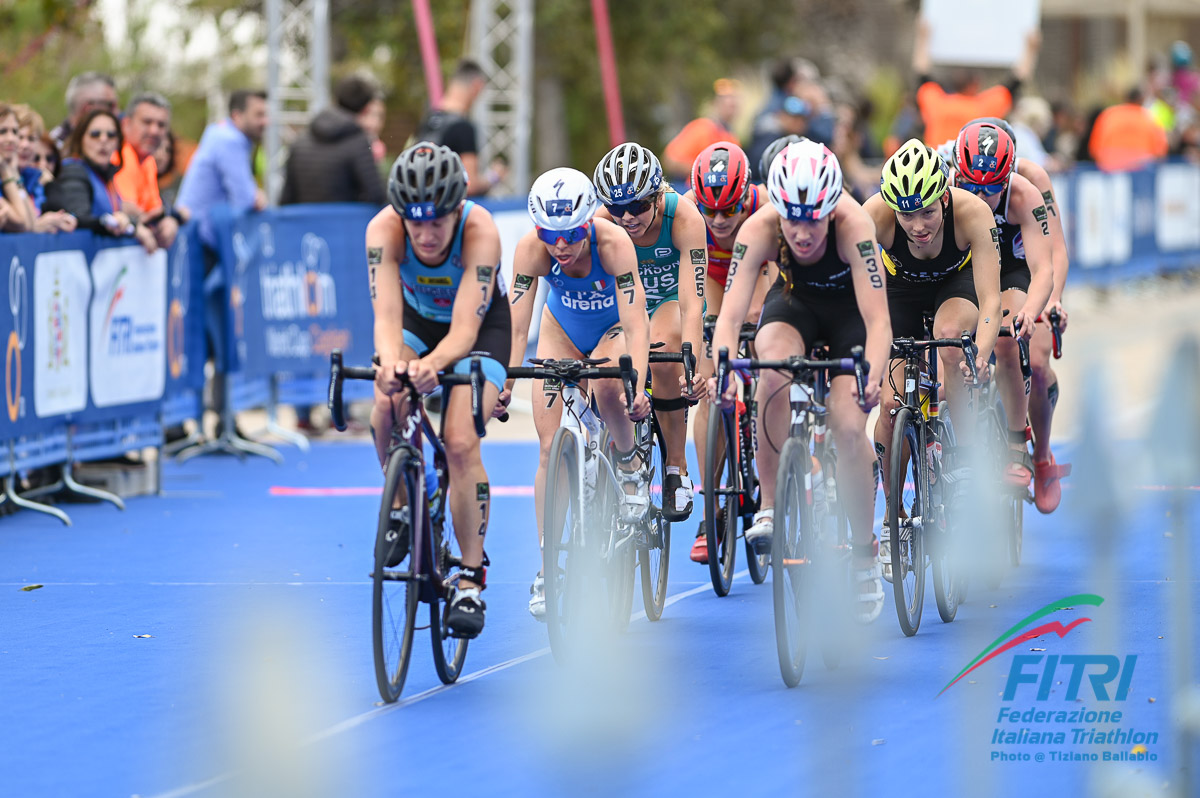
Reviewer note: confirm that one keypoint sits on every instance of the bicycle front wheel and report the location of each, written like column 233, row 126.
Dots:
column 394, row 594
column 721, row 501
column 906, row 506
column 561, row 555
column 792, row 545
column 449, row 652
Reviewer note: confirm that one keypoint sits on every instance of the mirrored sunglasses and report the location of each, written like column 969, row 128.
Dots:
column 572, row 236
column 728, row 213
column 636, row 208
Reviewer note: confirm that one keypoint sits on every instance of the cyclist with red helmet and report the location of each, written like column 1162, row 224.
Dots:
column 724, row 192
column 1043, row 394
column 830, row 288
column 984, row 158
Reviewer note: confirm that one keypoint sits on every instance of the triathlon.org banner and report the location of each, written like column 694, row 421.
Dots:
column 297, row 288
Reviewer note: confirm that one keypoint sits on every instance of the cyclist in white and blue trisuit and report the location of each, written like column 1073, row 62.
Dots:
column 595, row 308
column 434, row 263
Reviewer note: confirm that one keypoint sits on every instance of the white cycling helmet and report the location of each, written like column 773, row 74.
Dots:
column 805, row 181
column 629, row 172
column 562, row 199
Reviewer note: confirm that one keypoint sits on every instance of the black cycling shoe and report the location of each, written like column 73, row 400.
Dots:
column 396, row 539
column 672, row 485
column 464, row 613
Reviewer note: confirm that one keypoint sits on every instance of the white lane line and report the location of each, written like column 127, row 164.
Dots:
column 358, row 720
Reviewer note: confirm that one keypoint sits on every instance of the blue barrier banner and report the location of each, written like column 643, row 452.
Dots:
column 297, row 288
column 185, row 312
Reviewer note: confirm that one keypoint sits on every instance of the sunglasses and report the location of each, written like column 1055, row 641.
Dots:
column 572, row 236
column 98, row 134
column 728, row 213
column 987, row 191
column 636, row 208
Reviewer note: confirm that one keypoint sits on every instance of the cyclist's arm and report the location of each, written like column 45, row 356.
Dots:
column 857, row 246
column 384, row 242
column 481, row 262
column 756, row 242
column 1035, row 234
column 619, row 258
column 689, row 237
column 975, row 219
column 1058, row 242
column 760, row 293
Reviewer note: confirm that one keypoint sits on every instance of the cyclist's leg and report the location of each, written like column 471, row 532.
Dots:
column 387, row 409
column 610, row 394
column 775, row 341
column 956, row 311
column 470, row 493
column 1012, row 383
column 665, row 326
column 1043, row 385
column 907, row 305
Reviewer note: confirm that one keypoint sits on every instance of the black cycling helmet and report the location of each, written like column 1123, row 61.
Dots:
column 774, row 148
column 427, row 181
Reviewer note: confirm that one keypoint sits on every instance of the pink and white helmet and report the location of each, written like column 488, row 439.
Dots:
column 805, row 181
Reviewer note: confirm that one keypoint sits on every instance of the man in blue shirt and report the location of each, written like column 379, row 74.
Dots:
column 221, row 172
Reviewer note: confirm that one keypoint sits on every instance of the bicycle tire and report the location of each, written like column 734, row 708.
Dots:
column 948, row 580
column 621, row 571
column 791, row 546
column 834, row 560
column 449, row 652
column 560, row 540
column 759, row 565
column 908, row 559
column 655, row 558
column 720, row 473
column 392, row 652
column 997, row 548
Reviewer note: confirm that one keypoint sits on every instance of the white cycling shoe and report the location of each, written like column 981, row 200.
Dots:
column 868, row 604
column 762, row 530
column 635, row 505
column 885, row 553
column 537, row 598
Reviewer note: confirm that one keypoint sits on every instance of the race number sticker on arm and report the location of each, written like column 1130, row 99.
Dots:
column 625, row 283
column 996, row 239
column 698, row 262
column 1039, row 213
column 374, row 258
column 739, row 252
column 521, row 285
column 1049, row 199
column 484, row 275
column 866, row 249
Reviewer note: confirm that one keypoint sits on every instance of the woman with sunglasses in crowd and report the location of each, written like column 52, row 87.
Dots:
column 984, row 162
column 595, row 308
column 830, row 287
column 662, row 226
column 726, row 196
column 84, row 187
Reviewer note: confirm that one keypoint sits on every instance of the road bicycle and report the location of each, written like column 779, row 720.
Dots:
column 810, row 551
column 416, row 554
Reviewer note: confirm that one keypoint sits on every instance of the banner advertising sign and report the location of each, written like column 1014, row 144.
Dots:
column 128, row 326
column 1177, row 207
column 61, row 290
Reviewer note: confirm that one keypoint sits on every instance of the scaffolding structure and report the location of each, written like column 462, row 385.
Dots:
column 501, row 40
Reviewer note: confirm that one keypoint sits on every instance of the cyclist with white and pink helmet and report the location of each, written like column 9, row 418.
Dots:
column 830, row 288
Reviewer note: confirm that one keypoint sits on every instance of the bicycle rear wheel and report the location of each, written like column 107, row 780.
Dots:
column 791, row 562
column 561, row 557
column 394, row 594
column 449, row 653
column 721, row 503
column 907, row 501
column 654, row 554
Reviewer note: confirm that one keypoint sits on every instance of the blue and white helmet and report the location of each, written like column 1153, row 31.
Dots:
column 562, row 199
column 629, row 172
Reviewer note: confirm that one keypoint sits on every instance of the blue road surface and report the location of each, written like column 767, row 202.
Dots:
column 216, row 641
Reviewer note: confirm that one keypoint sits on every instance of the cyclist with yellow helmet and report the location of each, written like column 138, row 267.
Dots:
column 941, row 249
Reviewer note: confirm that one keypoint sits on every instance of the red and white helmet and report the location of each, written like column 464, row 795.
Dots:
column 983, row 154
column 805, row 181
column 721, row 175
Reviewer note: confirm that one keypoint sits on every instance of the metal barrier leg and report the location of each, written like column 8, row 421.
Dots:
column 273, row 428
column 71, row 486
column 20, row 501
column 229, row 442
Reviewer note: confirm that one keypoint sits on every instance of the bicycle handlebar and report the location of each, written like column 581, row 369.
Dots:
column 796, row 365
column 747, row 333
column 1055, row 319
column 684, row 356
column 573, row 371
column 338, row 373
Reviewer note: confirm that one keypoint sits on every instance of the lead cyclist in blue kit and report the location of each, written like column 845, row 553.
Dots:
column 434, row 273
column 595, row 308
